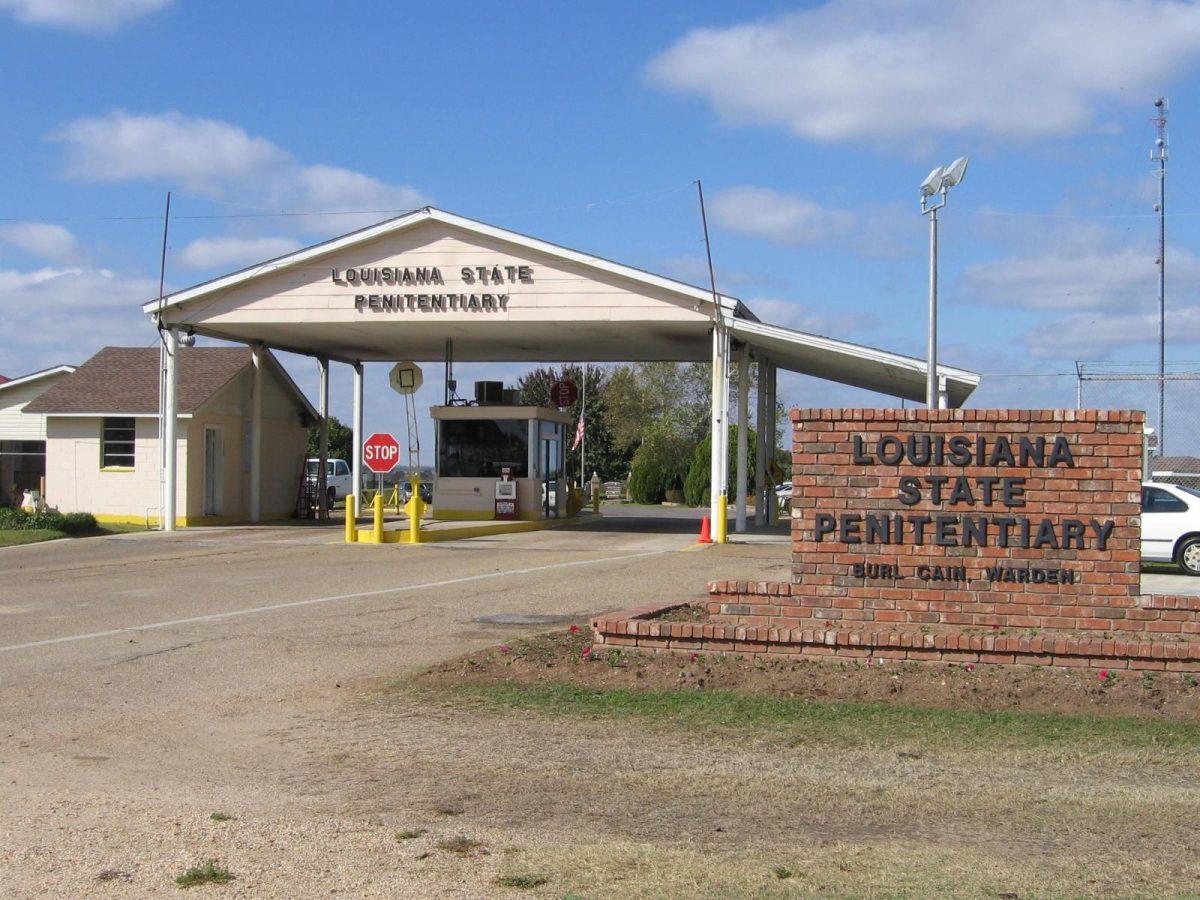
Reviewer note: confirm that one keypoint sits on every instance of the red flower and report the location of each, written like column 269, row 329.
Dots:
column 695, row 656
column 870, row 661
column 574, row 629
column 1104, row 674
column 587, row 651
column 504, row 648
column 970, row 667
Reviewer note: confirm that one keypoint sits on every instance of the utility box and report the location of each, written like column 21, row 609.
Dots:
column 507, row 504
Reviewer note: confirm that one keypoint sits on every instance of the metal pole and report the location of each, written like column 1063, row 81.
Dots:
column 931, row 381
column 1162, row 288
column 357, row 432
column 323, row 443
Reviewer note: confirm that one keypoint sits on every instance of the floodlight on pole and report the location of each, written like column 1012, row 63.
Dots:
column 937, row 184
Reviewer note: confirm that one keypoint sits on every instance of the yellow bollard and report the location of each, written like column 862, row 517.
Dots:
column 351, row 523
column 377, row 533
column 415, row 509
column 722, row 524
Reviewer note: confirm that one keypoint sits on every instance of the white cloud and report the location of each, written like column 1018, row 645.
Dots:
column 792, row 220
column 1096, row 336
column 905, row 69
column 229, row 251
column 694, row 270
column 780, row 218
column 64, row 315
column 844, row 325
column 82, row 15
column 221, row 161
column 52, row 243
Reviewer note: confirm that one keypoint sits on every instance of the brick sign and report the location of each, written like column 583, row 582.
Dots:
column 966, row 503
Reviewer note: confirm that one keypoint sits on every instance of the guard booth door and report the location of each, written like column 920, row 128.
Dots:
column 551, row 465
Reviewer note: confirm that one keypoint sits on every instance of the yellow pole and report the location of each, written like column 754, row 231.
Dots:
column 722, row 523
column 377, row 533
column 415, row 509
column 351, row 524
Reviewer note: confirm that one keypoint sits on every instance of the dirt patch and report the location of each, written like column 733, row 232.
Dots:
column 568, row 657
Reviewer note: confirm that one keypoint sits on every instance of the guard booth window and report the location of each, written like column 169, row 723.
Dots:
column 479, row 448
column 116, row 443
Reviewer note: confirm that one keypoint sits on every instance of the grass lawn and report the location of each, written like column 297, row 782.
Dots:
column 12, row 537
column 697, row 777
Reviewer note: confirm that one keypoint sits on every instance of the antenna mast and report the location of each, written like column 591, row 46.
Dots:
column 1159, row 155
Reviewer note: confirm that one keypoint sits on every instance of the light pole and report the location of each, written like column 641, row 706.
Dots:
column 938, row 184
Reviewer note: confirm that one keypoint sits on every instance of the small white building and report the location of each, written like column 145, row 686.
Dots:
column 102, row 446
column 22, row 434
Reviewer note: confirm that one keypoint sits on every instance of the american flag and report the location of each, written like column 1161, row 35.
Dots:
column 578, row 434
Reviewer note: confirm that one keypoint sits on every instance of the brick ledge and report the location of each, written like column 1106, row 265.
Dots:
column 636, row 627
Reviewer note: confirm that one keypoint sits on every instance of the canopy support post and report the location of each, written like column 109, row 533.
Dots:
column 256, row 392
column 167, row 431
column 720, row 434
column 761, row 482
column 323, row 441
column 357, row 439
column 743, row 436
column 772, row 442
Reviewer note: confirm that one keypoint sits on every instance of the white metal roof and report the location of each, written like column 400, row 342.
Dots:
column 853, row 364
column 559, row 340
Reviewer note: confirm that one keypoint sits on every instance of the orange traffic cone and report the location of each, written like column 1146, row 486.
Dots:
column 705, row 531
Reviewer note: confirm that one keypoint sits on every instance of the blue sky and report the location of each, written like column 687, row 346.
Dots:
column 585, row 124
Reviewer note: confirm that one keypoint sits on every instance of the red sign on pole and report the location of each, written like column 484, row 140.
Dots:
column 381, row 453
column 564, row 393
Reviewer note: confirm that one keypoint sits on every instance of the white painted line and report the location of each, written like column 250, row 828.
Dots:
column 216, row 617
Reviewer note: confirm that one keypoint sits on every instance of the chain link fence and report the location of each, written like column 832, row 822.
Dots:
column 1174, row 416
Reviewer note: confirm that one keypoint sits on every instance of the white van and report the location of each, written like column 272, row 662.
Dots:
column 337, row 477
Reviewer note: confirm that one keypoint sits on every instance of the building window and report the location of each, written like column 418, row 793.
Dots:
column 480, row 448
column 116, row 443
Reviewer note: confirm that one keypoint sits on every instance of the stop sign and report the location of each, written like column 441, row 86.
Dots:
column 381, row 453
column 564, row 393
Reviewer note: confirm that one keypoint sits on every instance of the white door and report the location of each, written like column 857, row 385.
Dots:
column 214, row 466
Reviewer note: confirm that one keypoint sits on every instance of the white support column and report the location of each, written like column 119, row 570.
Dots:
column 943, row 394
column 356, row 428
column 761, row 493
column 259, row 360
column 743, row 435
column 167, row 430
column 772, row 443
column 323, row 441
column 719, row 431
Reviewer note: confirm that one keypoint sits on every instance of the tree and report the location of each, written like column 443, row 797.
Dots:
column 341, row 441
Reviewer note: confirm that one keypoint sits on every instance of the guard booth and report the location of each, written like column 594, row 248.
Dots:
column 477, row 444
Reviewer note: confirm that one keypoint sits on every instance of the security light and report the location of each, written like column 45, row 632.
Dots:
column 955, row 172
column 933, row 183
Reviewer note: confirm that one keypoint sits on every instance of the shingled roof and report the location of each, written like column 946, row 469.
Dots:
column 124, row 380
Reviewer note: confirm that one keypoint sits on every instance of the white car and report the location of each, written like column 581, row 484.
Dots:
column 337, row 477
column 1171, row 525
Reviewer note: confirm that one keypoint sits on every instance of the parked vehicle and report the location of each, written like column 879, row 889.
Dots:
column 1171, row 525
column 337, row 477
column 406, row 491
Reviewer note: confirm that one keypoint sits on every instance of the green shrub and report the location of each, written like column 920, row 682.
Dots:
column 79, row 523
column 48, row 520
column 659, row 465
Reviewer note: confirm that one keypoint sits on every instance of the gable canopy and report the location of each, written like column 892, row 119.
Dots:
column 404, row 288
